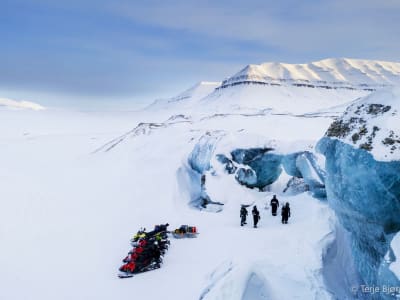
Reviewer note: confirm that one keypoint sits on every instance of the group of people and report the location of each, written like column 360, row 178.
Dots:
column 244, row 213
column 274, row 203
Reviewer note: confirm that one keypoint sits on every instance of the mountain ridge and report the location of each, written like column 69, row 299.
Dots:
column 327, row 73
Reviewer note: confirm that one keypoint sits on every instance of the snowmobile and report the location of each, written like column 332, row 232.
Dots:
column 159, row 237
column 147, row 252
column 159, row 230
column 185, row 231
column 132, row 268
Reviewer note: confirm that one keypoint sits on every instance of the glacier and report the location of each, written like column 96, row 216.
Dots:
column 363, row 184
column 265, row 166
column 150, row 169
column 365, row 195
column 262, row 167
column 194, row 173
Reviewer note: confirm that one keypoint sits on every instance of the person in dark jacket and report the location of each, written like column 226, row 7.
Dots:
column 256, row 216
column 274, row 205
column 243, row 215
column 285, row 213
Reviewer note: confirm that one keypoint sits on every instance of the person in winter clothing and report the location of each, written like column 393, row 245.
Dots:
column 256, row 216
column 243, row 215
column 285, row 213
column 274, row 205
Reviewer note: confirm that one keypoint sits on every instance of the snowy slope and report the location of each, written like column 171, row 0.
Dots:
column 251, row 98
column 287, row 88
column 76, row 186
column 13, row 104
column 328, row 73
column 186, row 98
column 373, row 124
column 65, row 232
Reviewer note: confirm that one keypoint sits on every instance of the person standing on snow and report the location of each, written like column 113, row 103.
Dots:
column 274, row 205
column 243, row 215
column 256, row 216
column 285, row 213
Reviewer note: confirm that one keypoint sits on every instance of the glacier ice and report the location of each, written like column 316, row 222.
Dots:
column 339, row 271
column 295, row 186
column 312, row 175
column 365, row 195
column 290, row 166
column 200, row 157
column 246, row 177
column 230, row 168
column 192, row 174
column 266, row 166
column 261, row 167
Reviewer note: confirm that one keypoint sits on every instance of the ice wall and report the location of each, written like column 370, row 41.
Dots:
column 192, row 175
column 265, row 167
column 261, row 167
column 200, row 157
column 363, row 182
column 365, row 195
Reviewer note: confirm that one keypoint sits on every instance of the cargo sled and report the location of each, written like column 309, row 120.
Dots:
column 185, row 231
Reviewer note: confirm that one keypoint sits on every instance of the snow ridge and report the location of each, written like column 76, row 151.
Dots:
column 328, row 73
column 372, row 124
column 188, row 97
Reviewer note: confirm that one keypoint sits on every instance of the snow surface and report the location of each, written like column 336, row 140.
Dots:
column 69, row 212
column 186, row 98
column 76, row 186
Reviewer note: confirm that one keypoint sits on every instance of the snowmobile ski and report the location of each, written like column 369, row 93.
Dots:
column 125, row 275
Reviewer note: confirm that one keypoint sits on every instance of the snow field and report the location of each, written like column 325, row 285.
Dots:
column 68, row 216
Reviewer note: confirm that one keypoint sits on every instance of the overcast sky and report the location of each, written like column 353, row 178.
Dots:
column 91, row 52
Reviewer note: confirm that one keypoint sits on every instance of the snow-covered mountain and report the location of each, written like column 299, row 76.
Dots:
column 287, row 88
column 13, row 104
column 328, row 73
column 188, row 97
column 96, row 178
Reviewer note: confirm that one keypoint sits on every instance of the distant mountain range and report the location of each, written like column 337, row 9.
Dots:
column 327, row 73
column 282, row 87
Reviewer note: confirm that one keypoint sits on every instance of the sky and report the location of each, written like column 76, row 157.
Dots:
column 90, row 53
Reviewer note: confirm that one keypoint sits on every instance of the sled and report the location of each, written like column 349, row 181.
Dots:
column 185, row 231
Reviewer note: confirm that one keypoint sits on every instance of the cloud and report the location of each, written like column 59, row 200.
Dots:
column 298, row 26
column 149, row 49
column 14, row 104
